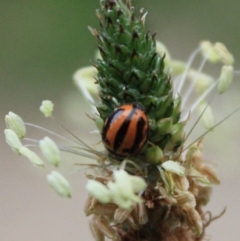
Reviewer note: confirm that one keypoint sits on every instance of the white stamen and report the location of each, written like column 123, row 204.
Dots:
column 187, row 95
column 50, row 132
column 237, row 72
column 32, row 140
column 190, row 61
column 62, row 137
column 201, row 98
column 220, row 122
column 198, row 119
column 79, row 153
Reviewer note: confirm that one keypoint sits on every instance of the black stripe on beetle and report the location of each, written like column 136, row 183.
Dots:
column 139, row 137
column 125, row 131
column 121, row 133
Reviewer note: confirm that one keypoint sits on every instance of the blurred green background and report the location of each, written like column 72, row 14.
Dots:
column 42, row 43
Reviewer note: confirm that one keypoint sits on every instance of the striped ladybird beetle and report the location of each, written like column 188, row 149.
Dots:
column 125, row 131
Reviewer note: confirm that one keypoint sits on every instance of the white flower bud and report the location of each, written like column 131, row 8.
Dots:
column 50, row 151
column 32, row 156
column 217, row 52
column 177, row 67
column 98, row 191
column 138, row 184
column 125, row 187
column 85, row 79
column 225, row 78
column 15, row 123
column 121, row 200
column 47, row 108
column 59, row 183
column 128, row 183
column 223, row 53
column 207, row 117
column 208, row 51
column 12, row 140
column 203, row 81
column 174, row 167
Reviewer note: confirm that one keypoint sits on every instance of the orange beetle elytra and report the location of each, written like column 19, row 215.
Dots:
column 125, row 131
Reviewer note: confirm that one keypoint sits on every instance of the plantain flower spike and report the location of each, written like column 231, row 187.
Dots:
column 168, row 179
